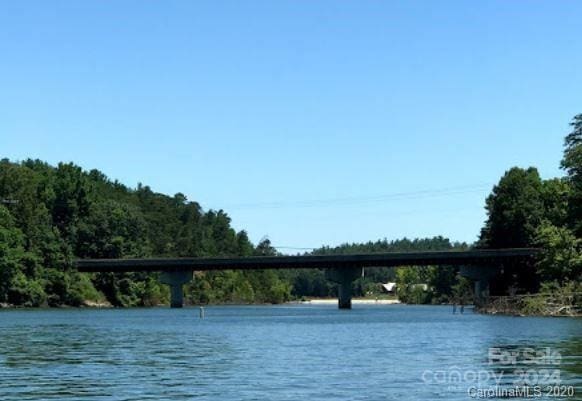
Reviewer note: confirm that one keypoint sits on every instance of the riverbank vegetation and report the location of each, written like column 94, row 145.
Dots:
column 526, row 211
column 50, row 215
column 551, row 300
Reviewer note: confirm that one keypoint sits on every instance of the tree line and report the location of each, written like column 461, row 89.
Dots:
column 51, row 215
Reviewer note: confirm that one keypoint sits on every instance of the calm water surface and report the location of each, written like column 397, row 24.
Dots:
column 279, row 353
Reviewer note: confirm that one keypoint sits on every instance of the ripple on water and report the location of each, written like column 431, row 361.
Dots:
column 261, row 353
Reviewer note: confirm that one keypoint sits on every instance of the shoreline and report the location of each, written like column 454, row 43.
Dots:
column 356, row 301
column 107, row 305
column 487, row 309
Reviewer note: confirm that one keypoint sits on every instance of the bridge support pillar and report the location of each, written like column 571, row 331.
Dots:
column 176, row 280
column 481, row 275
column 344, row 277
column 481, row 291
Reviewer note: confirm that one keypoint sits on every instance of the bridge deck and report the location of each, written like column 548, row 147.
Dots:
column 472, row 257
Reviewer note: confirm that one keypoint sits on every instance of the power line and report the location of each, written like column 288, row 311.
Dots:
column 295, row 248
column 356, row 200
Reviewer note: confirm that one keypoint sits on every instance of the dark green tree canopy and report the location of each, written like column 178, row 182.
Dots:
column 55, row 214
column 572, row 163
column 515, row 209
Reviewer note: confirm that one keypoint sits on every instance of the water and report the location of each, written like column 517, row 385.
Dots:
column 276, row 353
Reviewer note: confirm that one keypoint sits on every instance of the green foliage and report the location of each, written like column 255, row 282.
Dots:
column 439, row 279
column 561, row 258
column 269, row 287
column 554, row 299
column 112, row 230
column 430, row 284
column 410, row 285
column 311, row 282
column 82, row 290
column 57, row 214
column 556, row 194
column 24, row 291
column 525, row 211
column 462, row 290
column 143, row 290
column 19, row 283
column 515, row 209
column 572, row 163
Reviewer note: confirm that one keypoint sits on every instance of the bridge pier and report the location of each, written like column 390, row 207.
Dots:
column 176, row 281
column 481, row 275
column 345, row 278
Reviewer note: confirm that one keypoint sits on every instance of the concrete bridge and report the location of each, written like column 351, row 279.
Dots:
column 478, row 265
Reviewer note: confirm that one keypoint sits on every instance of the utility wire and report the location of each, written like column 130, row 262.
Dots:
column 356, row 200
column 294, row 248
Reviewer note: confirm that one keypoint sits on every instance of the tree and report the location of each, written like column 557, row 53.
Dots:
column 72, row 198
column 19, row 284
column 556, row 195
column 112, row 229
column 441, row 280
column 572, row 163
column 561, row 258
column 515, row 209
column 410, row 285
column 264, row 248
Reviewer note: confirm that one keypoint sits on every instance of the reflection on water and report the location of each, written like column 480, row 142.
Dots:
column 278, row 353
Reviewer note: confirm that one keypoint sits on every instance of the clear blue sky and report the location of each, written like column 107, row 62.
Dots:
column 269, row 109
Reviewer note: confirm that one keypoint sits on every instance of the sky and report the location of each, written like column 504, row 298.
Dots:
column 309, row 122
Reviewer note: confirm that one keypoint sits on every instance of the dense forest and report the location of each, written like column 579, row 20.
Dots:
column 51, row 215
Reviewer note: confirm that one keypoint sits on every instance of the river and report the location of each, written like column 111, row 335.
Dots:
column 287, row 352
